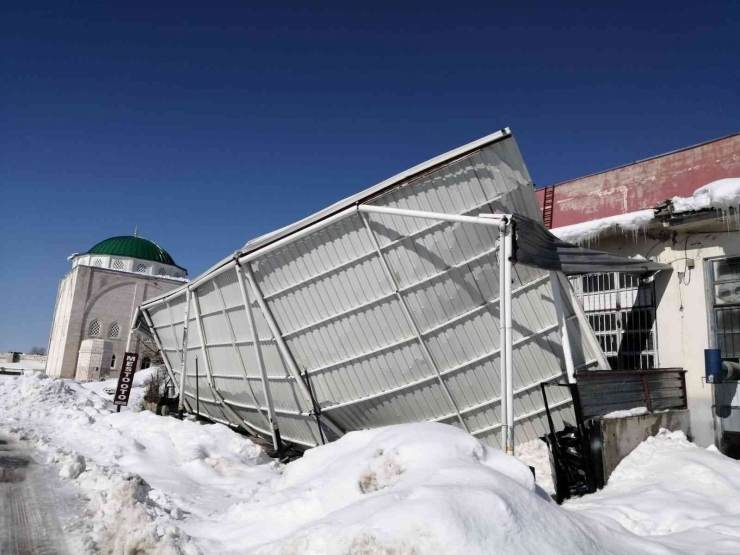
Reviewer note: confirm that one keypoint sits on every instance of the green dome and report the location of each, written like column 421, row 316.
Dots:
column 134, row 247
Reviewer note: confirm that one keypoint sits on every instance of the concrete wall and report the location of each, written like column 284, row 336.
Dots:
column 620, row 436
column 683, row 308
column 88, row 293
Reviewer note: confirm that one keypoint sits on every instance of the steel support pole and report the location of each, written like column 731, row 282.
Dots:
column 588, row 333
column 502, row 256
column 209, row 376
column 131, row 330
column 557, row 298
column 159, row 345
column 283, row 347
column 508, row 241
column 271, row 417
column 184, row 354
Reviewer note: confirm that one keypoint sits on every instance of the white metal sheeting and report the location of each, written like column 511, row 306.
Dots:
column 390, row 319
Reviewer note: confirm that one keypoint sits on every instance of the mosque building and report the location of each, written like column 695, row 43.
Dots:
column 95, row 304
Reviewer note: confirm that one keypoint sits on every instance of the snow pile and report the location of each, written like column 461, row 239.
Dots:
column 720, row 195
column 138, row 388
column 587, row 231
column 409, row 489
column 140, row 472
column 637, row 411
column 536, row 454
column 669, row 489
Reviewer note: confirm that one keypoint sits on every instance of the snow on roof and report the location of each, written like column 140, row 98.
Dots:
column 583, row 232
column 718, row 195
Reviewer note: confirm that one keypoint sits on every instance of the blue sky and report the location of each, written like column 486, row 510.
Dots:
column 210, row 123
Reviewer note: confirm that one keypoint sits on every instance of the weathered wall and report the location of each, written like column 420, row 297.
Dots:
column 620, row 436
column 644, row 184
column 683, row 308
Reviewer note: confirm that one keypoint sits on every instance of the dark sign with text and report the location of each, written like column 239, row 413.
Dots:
column 126, row 379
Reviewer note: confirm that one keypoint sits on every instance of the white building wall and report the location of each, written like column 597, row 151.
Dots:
column 683, row 308
column 90, row 293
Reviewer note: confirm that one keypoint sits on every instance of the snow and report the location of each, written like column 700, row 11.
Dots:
column 23, row 365
column 536, row 454
column 586, row 231
column 159, row 485
column 674, row 492
column 637, row 411
column 718, row 195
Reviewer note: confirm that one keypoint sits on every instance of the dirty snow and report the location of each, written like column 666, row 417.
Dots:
column 159, row 485
column 637, row 411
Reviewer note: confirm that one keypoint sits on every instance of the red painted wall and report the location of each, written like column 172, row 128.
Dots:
column 644, row 184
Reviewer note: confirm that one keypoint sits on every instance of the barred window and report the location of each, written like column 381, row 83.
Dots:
column 118, row 264
column 94, row 329
column 97, row 263
column 141, row 268
column 114, row 330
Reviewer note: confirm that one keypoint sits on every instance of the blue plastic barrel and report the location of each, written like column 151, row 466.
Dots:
column 713, row 365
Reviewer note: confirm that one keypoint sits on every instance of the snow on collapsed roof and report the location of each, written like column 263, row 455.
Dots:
column 719, row 195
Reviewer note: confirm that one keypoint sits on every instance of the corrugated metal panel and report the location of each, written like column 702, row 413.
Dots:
column 421, row 344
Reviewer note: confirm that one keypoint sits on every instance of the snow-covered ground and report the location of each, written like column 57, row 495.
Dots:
column 154, row 484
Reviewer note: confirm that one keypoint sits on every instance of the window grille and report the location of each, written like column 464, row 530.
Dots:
column 161, row 272
column 94, row 329
column 141, row 268
column 726, row 306
column 118, row 264
column 97, row 263
column 114, row 330
column 620, row 309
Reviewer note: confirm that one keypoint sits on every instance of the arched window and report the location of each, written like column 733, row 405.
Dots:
column 94, row 329
column 161, row 272
column 113, row 361
column 114, row 331
column 141, row 268
column 97, row 263
column 117, row 265
column 146, row 362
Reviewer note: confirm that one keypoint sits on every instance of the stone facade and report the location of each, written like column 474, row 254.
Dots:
column 98, row 303
column 95, row 360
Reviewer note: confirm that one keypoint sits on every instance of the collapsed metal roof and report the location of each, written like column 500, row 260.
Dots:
column 375, row 319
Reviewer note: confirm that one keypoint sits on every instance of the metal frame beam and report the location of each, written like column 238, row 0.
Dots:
column 412, row 322
column 272, row 421
column 207, row 362
column 283, row 347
